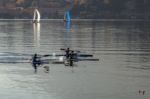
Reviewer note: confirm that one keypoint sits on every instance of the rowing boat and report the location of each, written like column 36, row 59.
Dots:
column 44, row 59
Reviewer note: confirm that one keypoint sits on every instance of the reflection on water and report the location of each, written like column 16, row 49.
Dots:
column 123, row 48
column 36, row 31
column 67, row 35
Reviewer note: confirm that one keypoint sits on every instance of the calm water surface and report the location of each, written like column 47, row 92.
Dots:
column 123, row 48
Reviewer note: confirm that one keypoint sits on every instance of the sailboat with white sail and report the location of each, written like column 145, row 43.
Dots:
column 36, row 16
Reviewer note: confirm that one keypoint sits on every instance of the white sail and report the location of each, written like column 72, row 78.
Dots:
column 36, row 16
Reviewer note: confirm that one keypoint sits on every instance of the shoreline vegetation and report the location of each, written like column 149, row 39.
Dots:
column 89, row 9
column 78, row 19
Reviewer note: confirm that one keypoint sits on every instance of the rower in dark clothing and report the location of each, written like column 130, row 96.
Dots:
column 71, row 58
column 35, row 62
column 67, row 53
column 70, row 55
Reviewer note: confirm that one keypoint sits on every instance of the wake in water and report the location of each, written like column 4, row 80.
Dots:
column 9, row 57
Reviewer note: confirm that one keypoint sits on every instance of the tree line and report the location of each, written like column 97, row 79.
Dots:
column 100, row 9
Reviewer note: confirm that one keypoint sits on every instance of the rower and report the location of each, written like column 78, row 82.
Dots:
column 67, row 53
column 71, row 58
column 35, row 62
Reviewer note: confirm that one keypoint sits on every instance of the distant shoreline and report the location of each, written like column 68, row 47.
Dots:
column 80, row 19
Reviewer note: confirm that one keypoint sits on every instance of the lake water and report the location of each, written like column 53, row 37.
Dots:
column 123, row 48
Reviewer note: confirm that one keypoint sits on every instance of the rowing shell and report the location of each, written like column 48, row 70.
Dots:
column 43, row 59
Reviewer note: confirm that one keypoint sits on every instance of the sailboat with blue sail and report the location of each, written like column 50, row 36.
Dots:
column 67, row 16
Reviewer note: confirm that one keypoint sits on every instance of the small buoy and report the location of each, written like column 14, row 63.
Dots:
column 46, row 69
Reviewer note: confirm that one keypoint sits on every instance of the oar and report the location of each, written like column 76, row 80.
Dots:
column 85, row 55
column 94, row 59
column 40, row 56
column 69, row 50
column 47, row 55
column 62, row 49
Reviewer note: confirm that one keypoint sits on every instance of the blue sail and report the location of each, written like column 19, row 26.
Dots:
column 67, row 16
